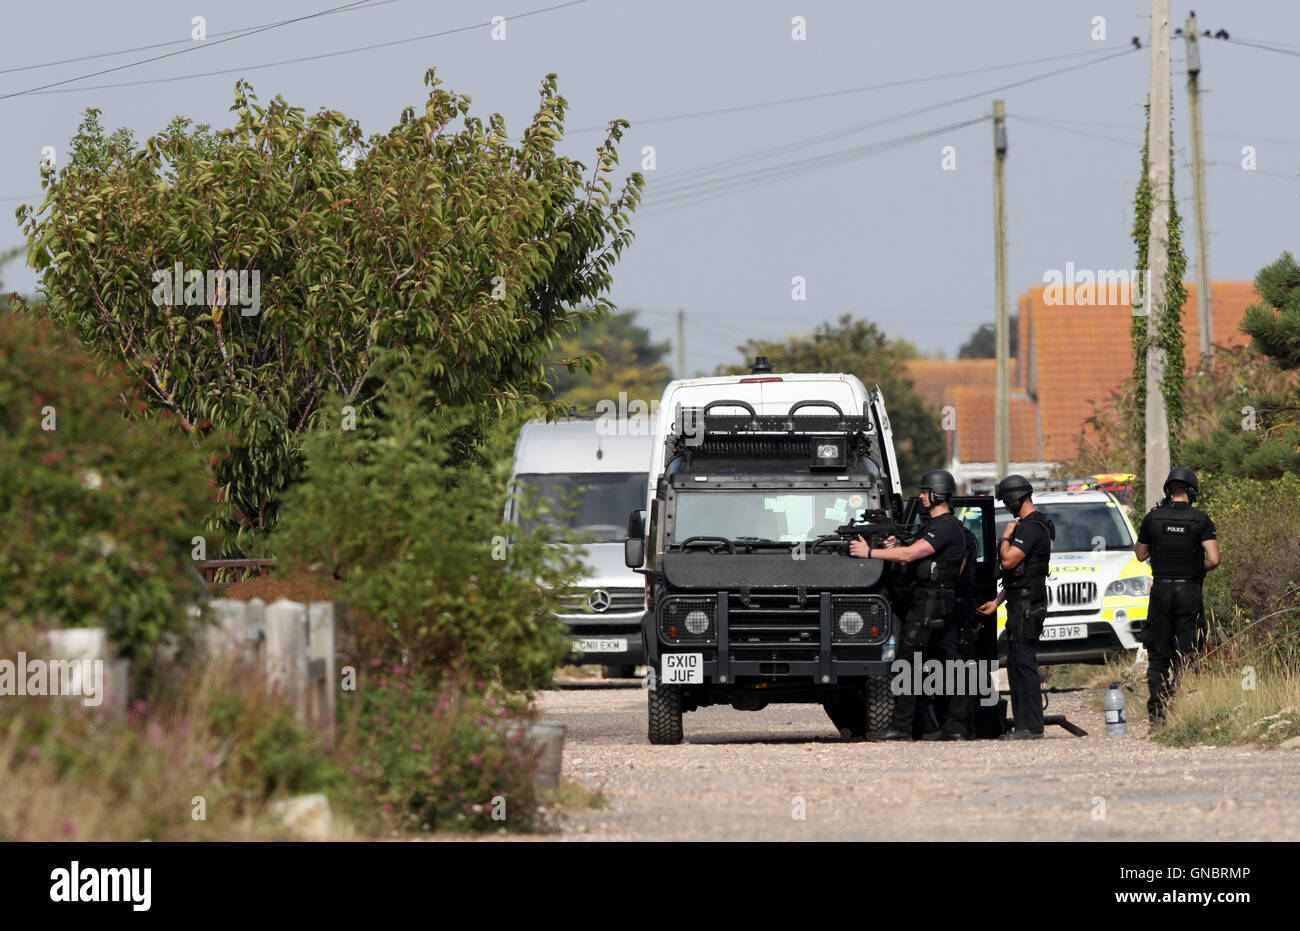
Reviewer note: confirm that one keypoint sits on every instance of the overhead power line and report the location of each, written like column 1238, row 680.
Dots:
column 306, row 58
column 1266, row 47
column 185, row 51
column 1137, row 129
column 742, row 160
column 703, row 190
column 1134, row 146
column 824, row 95
column 368, row 4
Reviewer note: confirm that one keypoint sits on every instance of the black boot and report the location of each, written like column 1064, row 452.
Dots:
column 889, row 733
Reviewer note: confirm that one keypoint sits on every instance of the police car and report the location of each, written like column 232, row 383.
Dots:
column 1097, row 591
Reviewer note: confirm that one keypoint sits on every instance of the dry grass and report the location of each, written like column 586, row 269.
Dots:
column 202, row 766
column 1217, row 705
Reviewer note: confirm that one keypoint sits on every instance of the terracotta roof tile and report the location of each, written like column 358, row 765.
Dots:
column 1078, row 355
column 974, row 441
column 931, row 378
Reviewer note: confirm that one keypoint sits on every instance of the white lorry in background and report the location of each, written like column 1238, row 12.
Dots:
column 600, row 464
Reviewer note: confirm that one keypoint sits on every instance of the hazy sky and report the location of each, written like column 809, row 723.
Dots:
column 881, row 232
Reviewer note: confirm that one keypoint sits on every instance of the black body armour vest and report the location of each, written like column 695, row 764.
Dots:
column 933, row 572
column 1030, row 575
column 1176, row 551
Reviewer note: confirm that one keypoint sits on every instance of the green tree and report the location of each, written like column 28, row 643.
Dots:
column 407, row 510
column 1170, row 326
column 427, row 240
column 1258, row 433
column 858, row 347
column 983, row 342
column 624, row 360
column 99, row 505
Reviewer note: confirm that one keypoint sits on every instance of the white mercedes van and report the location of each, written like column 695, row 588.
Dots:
column 600, row 465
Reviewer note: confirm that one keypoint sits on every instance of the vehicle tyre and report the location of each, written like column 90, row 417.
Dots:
column 879, row 706
column 618, row 672
column 847, row 713
column 665, row 714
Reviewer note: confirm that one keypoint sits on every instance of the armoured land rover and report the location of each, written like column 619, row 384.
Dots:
column 752, row 597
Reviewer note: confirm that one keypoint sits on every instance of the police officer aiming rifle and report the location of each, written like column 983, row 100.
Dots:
column 1025, row 552
column 939, row 555
column 1181, row 543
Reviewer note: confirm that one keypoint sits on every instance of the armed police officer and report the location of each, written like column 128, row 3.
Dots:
column 1025, row 552
column 1181, row 543
column 938, row 555
column 956, row 644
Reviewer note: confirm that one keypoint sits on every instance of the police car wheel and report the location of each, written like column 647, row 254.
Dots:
column 665, row 714
column 879, row 703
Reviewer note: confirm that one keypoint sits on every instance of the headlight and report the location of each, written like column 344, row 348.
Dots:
column 859, row 618
column 851, row 623
column 688, row 618
column 1135, row 586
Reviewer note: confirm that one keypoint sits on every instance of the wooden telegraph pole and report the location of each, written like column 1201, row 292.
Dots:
column 1198, row 180
column 681, row 342
column 1002, row 400
column 1157, row 417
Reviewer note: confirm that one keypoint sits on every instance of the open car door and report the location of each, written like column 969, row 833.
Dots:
column 978, row 514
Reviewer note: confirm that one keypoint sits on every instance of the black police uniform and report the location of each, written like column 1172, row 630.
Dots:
column 1026, row 588
column 1176, row 628
column 957, row 638
column 933, row 602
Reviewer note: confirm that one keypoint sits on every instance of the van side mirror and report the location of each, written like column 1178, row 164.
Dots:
column 634, row 545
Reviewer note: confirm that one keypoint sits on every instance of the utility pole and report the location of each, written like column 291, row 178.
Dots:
column 1157, row 417
column 1001, row 400
column 681, row 342
column 1198, row 179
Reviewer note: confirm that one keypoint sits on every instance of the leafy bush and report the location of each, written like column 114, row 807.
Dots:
column 1255, row 592
column 98, row 504
column 406, row 512
column 444, row 757
column 429, row 238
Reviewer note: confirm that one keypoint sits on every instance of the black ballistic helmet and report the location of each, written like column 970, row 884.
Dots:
column 1013, row 490
column 938, row 482
column 1185, row 476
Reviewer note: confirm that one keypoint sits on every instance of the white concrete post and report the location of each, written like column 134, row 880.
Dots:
column 255, row 628
column 321, row 656
column 228, row 631
column 285, row 656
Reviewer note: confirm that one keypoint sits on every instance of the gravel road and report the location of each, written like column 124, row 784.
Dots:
column 742, row 775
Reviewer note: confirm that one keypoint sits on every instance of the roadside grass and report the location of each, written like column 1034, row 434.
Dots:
column 1223, row 702
column 567, row 798
column 201, row 764
column 211, row 751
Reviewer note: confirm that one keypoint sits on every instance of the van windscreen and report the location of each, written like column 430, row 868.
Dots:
column 596, row 504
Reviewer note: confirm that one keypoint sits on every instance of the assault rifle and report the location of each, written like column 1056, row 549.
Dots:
column 874, row 526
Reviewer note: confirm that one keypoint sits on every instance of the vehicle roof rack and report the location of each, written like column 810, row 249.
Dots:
column 696, row 421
